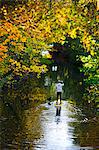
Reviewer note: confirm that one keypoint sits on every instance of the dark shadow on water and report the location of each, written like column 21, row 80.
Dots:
column 58, row 110
column 58, row 114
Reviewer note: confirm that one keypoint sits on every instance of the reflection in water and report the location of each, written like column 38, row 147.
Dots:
column 57, row 119
column 62, row 135
column 86, row 129
column 58, row 113
column 20, row 135
column 58, row 110
column 52, row 128
column 56, row 136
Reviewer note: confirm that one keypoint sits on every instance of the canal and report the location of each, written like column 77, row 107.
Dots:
column 40, row 127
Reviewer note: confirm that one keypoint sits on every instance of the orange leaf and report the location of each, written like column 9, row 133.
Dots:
column 1, row 59
column 13, row 43
column 1, row 53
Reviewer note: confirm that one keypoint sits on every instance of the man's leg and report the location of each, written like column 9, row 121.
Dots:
column 57, row 97
column 60, row 97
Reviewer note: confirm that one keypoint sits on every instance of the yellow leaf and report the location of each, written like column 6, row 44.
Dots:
column 23, row 39
column 11, row 60
column 92, row 52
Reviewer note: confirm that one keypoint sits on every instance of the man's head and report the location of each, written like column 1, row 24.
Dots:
column 59, row 81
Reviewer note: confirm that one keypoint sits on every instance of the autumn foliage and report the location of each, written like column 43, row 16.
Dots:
column 28, row 28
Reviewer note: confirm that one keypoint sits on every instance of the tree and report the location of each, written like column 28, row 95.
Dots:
column 38, row 23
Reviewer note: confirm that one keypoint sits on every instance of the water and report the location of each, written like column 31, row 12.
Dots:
column 43, row 129
column 46, row 127
column 57, row 133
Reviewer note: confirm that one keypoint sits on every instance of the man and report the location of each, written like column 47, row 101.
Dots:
column 59, row 86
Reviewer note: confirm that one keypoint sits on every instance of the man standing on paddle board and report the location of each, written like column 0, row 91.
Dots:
column 59, row 86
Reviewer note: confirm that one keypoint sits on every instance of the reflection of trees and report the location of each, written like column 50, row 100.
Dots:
column 9, row 126
column 86, row 133
column 17, row 134
column 31, row 129
column 31, row 123
column 19, row 126
column 86, row 129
